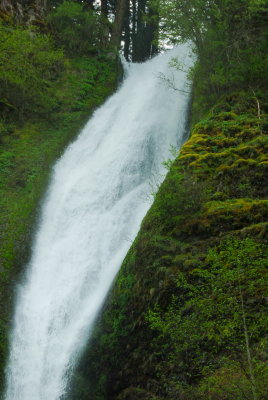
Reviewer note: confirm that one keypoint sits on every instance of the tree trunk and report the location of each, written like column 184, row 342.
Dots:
column 134, row 27
column 89, row 4
column 127, row 31
column 154, row 31
column 104, row 8
column 139, row 39
column 118, row 24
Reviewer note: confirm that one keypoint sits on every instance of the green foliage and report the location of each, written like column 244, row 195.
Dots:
column 205, row 317
column 32, row 69
column 78, row 30
column 29, row 65
column 230, row 40
column 231, row 381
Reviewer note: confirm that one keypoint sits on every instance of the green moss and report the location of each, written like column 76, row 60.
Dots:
column 232, row 214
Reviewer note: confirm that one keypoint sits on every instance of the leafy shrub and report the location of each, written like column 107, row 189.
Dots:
column 28, row 66
column 217, row 305
column 231, row 381
column 230, row 40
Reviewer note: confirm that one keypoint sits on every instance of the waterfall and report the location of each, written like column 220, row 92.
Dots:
column 95, row 202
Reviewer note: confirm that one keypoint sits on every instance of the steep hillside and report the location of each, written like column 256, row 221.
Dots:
column 187, row 317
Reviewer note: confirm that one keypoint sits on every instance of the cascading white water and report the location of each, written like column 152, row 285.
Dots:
column 93, row 209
